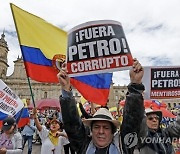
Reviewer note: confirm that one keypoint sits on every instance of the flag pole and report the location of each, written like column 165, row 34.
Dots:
column 22, row 56
column 32, row 95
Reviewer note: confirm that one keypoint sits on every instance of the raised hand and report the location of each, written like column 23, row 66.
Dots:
column 137, row 72
column 64, row 79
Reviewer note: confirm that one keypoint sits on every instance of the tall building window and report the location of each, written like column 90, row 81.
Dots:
column 116, row 97
column 45, row 94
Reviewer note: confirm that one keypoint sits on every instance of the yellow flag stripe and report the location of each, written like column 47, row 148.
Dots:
column 36, row 32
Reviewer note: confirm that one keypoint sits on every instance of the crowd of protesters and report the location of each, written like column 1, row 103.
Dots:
column 97, row 130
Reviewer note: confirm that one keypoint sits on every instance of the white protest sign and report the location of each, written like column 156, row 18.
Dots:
column 97, row 47
column 162, row 82
column 10, row 103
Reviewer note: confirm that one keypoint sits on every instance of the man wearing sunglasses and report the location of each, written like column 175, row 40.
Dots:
column 156, row 140
column 153, row 119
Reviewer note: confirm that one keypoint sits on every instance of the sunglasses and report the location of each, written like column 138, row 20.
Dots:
column 153, row 117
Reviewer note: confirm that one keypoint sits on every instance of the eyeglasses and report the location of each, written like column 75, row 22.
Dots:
column 153, row 117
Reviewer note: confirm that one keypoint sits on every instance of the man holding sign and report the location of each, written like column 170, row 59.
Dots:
column 104, row 135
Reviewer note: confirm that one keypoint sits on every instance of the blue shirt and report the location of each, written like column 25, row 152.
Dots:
column 29, row 129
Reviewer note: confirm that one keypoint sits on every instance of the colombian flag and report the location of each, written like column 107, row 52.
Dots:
column 22, row 117
column 2, row 117
column 41, row 43
column 94, row 88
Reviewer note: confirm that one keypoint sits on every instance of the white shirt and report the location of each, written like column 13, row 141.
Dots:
column 47, row 146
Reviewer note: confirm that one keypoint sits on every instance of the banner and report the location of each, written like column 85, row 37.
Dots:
column 97, row 46
column 162, row 82
column 10, row 103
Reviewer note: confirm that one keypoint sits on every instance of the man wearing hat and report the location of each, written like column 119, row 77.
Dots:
column 10, row 138
column 104, row 138
column 158, row 140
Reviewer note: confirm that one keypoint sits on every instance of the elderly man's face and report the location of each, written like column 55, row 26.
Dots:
column 102, row 133
column 153, row 121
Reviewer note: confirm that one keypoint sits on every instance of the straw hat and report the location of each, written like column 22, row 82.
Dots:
column 102, row 114
column 157, row 112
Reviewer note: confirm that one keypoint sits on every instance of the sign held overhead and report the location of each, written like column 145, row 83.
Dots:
column 96, row 47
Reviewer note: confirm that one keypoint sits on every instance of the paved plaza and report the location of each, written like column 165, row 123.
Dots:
column 36, row 149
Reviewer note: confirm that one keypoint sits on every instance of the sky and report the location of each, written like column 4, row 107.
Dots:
column 151, row 27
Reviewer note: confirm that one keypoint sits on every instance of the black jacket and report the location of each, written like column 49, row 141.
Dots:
column 161, row 139
column 132, row 117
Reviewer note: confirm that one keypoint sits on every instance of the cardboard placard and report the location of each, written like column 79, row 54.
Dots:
column 10, row 103
column 97, row 47
column 162, row 82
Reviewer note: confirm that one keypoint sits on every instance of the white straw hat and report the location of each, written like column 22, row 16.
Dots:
column 102, row 114
column 157, row 112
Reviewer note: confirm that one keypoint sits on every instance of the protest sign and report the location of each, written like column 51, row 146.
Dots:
column 10, row 103
column 97, row 47
column 162, row 82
